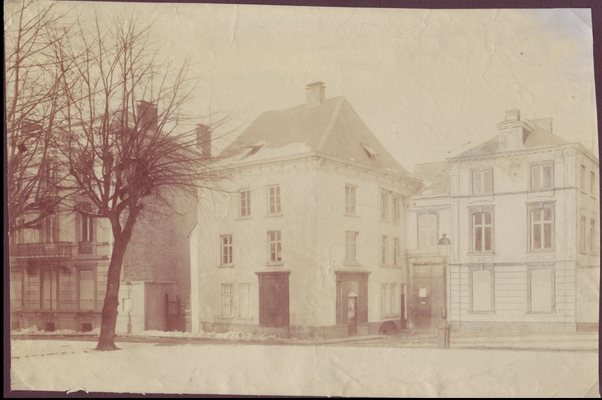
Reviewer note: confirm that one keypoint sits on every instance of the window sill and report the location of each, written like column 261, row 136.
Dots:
column 274, row 215
column 351, row 215
column 543, row 251
column 541, row 312
column 226, row 266
column 352, row 264
column 481, row 312
column 481, row 253
column 274, row 264
column 244, row 218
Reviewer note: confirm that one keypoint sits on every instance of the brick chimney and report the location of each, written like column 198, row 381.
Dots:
column 315, row 94
column 203, row 139
column 513, row 115
column 147, row 115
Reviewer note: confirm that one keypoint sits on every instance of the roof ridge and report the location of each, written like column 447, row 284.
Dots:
column 334, row 117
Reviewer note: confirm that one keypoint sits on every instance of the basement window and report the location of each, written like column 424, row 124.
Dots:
column 369, row 151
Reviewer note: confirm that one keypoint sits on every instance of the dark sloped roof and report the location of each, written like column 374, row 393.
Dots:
column 538, row 137
column 333, row 128
column 435, row 178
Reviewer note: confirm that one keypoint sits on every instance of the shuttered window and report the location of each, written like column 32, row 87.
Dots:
column 49, row 290
column 86, row 289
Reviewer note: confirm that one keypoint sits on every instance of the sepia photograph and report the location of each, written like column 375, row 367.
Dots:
column 272, row 200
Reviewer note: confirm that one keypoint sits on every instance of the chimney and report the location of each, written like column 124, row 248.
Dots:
column 513, row 115
column 203, row 139
column 147, row 115
column 315, row 94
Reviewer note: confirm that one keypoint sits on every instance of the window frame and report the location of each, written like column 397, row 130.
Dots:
column 21, row 301
column 472, row 211
column 592, row 183
column 277, row 197
column 592, row 234
column 351, row 247
column 78, row 271
column 384, row 205
column 384, row 250
column 278, row 247
column 350, row 197
column 241, row 295
column 481, row 172
column 396, row 209
column 55, row 272
column 224, row 296
column 230, row 246
column 530, row 269
column 244, row 195
column 418, row 229
column 541, row 166
column 531, row 207
column 472, row 270
column 582, row 174
column 396, row 252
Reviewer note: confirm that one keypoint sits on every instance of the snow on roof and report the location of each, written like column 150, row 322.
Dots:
column 332, row 128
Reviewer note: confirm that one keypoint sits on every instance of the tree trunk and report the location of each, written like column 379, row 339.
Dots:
column 106, row 341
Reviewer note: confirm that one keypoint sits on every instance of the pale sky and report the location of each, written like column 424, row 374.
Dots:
column 426, row 82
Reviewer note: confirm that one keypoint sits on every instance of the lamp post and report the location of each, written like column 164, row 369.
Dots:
column 443, row 328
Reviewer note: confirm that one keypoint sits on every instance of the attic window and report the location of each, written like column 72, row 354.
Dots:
column 252, row 150
column 369, row 151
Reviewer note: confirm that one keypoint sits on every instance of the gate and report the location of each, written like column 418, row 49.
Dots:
column 175, row 317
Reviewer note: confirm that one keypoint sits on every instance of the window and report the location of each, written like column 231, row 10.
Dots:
column 274, row 247
column 245, row 203
column 49, row 231
column 427, row 231
column 482, row 182
column 592, row 183
column 226, row 249
column 350, row 191
column 396, row 251
column 384, row 205
column 244, row 293
column 388, row 299
column 16, row 289
column 541, row 290
column 541, row 177
column 541, row 219
column 482, row 287
column 86, row 289
column 49, row 286
column 227, row 300
column 396, row 210
column 582, row 178
column 592, row 236
column 351, row 247
column 393, row 298
column 369, row 151
column 274, row 200
column 384, row 299
column 18, row 236
column 482, row 231
column 582, row 235
column 384, row 249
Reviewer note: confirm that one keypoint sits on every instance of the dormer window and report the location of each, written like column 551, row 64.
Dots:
column 369, row 151
column 252, row 150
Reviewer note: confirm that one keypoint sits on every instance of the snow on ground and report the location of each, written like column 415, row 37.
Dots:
column 303, row 370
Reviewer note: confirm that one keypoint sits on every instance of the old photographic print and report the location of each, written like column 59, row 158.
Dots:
column 305, row 201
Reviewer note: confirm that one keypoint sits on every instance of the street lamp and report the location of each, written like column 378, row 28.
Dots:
column 443, row 329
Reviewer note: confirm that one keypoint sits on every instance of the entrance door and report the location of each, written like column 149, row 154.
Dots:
column 273, row 298
column 427, row 295
column 352, row 315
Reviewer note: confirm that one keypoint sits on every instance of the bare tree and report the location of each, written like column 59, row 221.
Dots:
column 34, row 102
column 125, row 137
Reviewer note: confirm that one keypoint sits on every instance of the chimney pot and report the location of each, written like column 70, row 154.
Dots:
column 315, row 94
column 203, row 139
column 513, row 115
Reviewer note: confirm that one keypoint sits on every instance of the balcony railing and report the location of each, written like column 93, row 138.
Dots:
column 86, row 248
column 42, row 250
